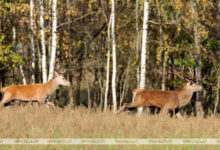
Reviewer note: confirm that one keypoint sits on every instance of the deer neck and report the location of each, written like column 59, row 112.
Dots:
column 184, row 96
column 51, row 86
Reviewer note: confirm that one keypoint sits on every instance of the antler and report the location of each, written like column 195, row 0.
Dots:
column 192, row 73
column 58, row 67
column 186, row 78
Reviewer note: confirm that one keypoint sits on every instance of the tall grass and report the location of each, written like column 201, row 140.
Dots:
column 41, row 122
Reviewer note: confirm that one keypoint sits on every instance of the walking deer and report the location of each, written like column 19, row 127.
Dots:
column 35, row 92
column 166, row 100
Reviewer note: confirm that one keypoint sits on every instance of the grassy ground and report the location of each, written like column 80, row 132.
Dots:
column 40, row 122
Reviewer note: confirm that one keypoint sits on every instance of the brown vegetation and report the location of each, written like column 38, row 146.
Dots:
column 40, row 122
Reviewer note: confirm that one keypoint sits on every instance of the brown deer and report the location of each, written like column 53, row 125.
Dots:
column 35, row 92
column 166, row 100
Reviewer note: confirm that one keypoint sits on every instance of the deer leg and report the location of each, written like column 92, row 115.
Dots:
column 122, row 108
column 40, row 103
column 164, row 109
column 177, row 113
column 128, row 105
column 6, row 98
column 50, row 104
column 179, row 116
column 47, row 98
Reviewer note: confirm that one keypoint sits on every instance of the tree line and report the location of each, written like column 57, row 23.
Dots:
column 108, row 48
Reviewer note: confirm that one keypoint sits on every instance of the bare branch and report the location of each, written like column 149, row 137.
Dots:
column 68, row 22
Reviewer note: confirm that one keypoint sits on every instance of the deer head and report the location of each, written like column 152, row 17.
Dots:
column 193, row 86
column 61, row 80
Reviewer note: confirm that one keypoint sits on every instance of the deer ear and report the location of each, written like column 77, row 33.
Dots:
column 188, row 83
column 56, row 74
column 191, row 83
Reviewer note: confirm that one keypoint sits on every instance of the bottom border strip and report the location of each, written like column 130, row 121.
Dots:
column 100, row 141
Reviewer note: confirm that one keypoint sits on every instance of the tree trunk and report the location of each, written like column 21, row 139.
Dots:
column 108, row 66
column 217, row 18
column 79, row 77
column 199, row 97
column 161, row 44
column 163, row 70
column 87, row 81
column 217, row 93
column 49, row 7
column 78, row 86
column 44, row 60
column 2, row 74
column 114, row 59
column 101, row 87
column 39, row 60
column 88, row 90
column 19, row 51
column 95, row 91
column 71, row 101
column 143, row 51
column 125, row 83
column 32, row 41
column 54, row 38
column 137, row 43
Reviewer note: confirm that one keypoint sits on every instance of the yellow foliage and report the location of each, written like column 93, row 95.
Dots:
column 46, row 17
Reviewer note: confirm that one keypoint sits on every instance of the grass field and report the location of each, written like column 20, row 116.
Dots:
column 40, row 122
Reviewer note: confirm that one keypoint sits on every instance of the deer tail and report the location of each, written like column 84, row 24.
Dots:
column 134, row 93
column 3, row 90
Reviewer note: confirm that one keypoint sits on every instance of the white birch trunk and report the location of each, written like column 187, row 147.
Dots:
column 32, row 41
column 107, row 66
column 143, row 51
column 22, row 74
column 44, row 61
column 20, row 66
column 113, row 59
column 54, row 38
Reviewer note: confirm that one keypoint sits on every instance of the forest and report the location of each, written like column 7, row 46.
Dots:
column 107, row 48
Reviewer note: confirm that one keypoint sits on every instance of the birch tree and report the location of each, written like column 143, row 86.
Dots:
column 54, row 37
column 113, row 59
column 32, row 41
column 44, row 61
column 143, row 51
column 108, row 65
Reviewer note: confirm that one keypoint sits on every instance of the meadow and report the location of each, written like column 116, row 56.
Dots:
column 41, row 122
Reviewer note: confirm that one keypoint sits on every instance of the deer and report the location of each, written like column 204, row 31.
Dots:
column 166, row 100
column 33, row 93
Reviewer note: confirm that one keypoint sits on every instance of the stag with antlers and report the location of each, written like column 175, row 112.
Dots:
column 166, row 100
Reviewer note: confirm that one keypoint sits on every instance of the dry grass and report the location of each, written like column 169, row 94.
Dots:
column 40, row 122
